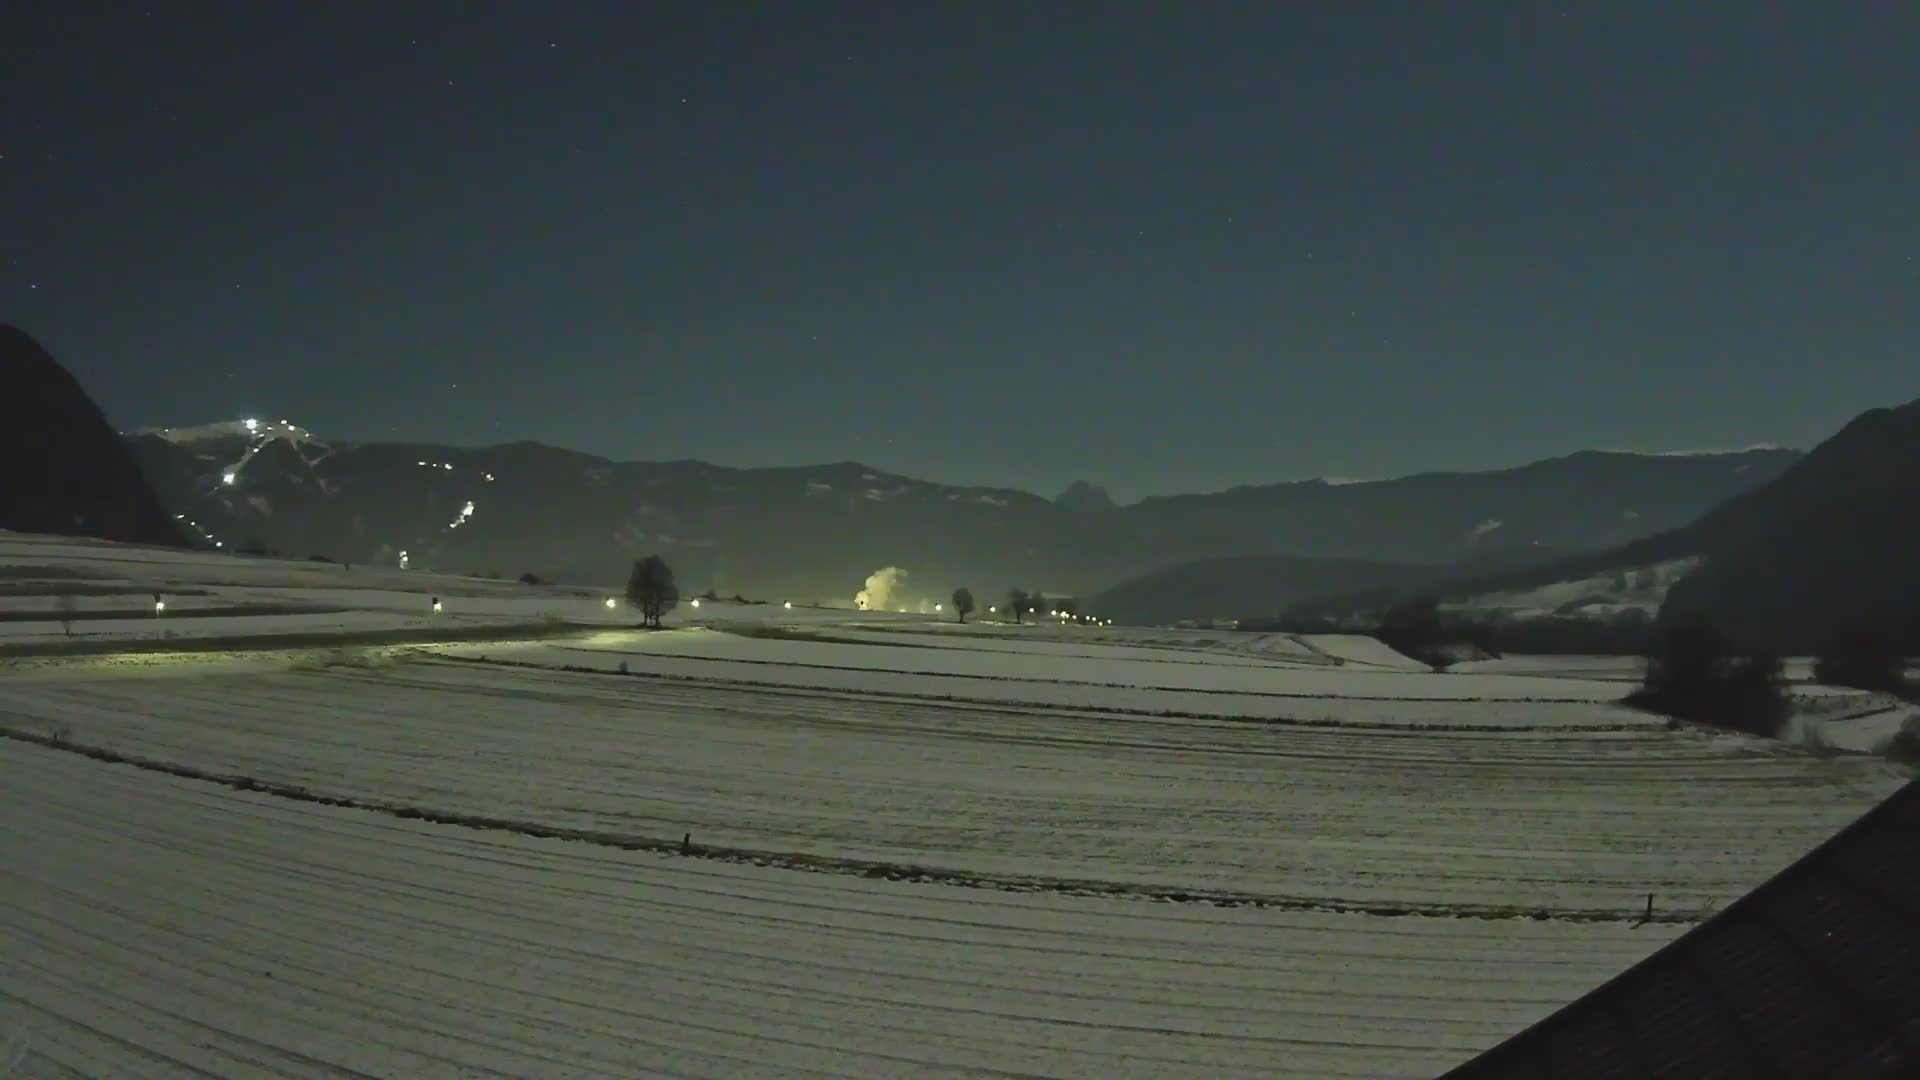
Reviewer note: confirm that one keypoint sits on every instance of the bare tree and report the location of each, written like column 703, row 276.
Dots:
column 64, row 604
column 1017, row 603
column 963, row 602
column 652, row 590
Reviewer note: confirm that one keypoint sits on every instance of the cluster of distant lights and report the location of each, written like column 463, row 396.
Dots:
column 232, row 476
column 614, row 603
column 253, row 426
column 198, row 528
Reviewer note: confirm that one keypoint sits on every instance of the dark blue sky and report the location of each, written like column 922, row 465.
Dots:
column 1163, row 247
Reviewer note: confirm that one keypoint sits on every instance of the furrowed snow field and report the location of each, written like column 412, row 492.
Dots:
column 1565, row 820
column 160, row 927
column 917, row 848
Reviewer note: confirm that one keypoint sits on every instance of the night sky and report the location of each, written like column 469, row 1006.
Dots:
column 1166, row 247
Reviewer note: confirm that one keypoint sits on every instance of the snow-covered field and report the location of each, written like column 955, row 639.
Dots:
column 157, row 927
column 917, row 848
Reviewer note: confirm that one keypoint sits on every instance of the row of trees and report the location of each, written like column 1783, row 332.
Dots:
column 1867, row 656
column 1021, row 603
column 651, row 589
column 1694, row 673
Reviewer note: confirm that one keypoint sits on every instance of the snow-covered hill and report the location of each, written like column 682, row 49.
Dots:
column 818, row 531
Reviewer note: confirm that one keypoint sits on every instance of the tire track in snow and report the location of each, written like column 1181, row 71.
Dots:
column 1502, row 822
column 870, row 868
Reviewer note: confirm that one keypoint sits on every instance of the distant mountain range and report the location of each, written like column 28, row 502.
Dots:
column 1831, row 542
column 815, row 532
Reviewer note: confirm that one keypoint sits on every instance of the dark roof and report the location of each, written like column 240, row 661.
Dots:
column 1816, row 973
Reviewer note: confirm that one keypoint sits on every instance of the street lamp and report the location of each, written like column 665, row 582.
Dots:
column 696, row 601
column 788, row 605
column 609, row 603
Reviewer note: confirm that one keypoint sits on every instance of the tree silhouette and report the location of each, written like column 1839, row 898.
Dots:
column 963, row 602
column 652, row 590
column 1693, row 672
column 1017, row 603
column 1863, row 655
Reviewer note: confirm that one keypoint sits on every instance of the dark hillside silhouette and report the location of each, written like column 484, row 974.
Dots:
column 63, row 468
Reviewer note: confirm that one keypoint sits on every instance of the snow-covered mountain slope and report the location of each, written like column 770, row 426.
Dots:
column 818, row 531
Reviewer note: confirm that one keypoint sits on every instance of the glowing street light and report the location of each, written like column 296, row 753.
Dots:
column 696, row 601
column 991, row 609
column 252, row 425
column 609, row 603
column 227, row 478
column 159, row 606
column 788, row 605
column 436, row 605
column 936, row 609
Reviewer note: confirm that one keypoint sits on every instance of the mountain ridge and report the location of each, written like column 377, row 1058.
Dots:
column 816, row 531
